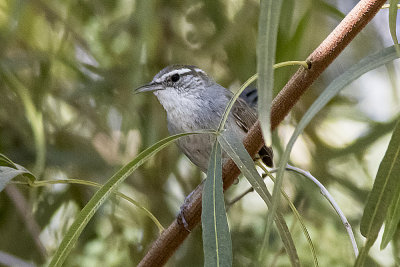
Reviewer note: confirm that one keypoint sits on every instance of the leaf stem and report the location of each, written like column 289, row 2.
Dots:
column 90, row 183
column 332, row 201
column 228, row 108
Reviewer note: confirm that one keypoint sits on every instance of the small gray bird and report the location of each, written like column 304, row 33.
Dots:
column 194, row 101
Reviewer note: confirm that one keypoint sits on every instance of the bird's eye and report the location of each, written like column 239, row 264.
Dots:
column 175, row 77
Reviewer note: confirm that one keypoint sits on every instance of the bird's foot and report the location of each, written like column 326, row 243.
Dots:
column 181, row 217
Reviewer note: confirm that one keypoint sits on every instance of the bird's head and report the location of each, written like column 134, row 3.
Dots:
column 177, row 80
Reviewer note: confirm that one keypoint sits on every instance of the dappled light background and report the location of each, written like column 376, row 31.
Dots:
column 67, row 110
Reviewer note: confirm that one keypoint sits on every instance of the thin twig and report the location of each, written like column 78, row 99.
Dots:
column 294, row 210
column 91, row 183
column 332, row 201
column 166, row 244
column 251, row 189
column 239, row 197
column 324, row 192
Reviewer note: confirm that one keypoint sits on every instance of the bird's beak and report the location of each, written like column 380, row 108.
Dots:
column 150, row 87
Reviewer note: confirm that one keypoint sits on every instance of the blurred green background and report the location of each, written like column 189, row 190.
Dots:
column 67, row 71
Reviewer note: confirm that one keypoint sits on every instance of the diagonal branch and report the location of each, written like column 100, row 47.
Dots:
column 163, row 248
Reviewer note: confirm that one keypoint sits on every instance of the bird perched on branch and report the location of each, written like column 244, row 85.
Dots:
column 194, row 101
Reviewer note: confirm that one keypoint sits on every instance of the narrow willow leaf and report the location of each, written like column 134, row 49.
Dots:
column 392, row 22
column 236, row 150
column 217, row 243
column 385, row 186
column 117, row 193
column 392, row 219
column 102, row 195
column 266, row 46
column 9, row 170
column 362, row 257
column 368, row 63
column 7, row 174
column 4, row 161
column 297, row 215
column 33, row 115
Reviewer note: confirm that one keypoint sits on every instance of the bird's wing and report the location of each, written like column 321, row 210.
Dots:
column 245, row 117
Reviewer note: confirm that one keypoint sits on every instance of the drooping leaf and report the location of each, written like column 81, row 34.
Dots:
column 392, row 219
column 217, row 243
column 117, row 193
column 298, row 217
column 236, row 150
column 34, row 116
column 9, row 170
column 102, row 195
column 392, row 23
column 384, row 190
column 368, row 63
column 4, row 161
column 7, row 174
column 266, row 47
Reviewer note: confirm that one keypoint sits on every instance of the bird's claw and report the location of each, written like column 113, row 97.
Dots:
column 181, row 219
column 181, row 216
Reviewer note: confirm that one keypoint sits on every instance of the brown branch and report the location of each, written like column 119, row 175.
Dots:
column 163, row 248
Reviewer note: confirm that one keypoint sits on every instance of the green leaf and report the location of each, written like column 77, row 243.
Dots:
column 4, row 161
column 384, row 190
column 392, row 22
column 102, row 195
column 296, row 214
column 7, row 174
column 9, row 170
column 266, row 47
column 32, row 113
column 368, row 63
column 392, row 219
column 217, row 243
column 236, row 150
column 116, row 193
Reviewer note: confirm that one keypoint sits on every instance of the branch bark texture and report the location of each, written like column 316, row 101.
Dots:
column 163, row 248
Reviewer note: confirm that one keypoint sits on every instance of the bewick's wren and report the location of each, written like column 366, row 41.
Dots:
column 193, row 101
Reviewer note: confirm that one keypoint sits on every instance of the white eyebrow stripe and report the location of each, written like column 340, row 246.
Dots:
column 199, row 70
column 180, row 71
